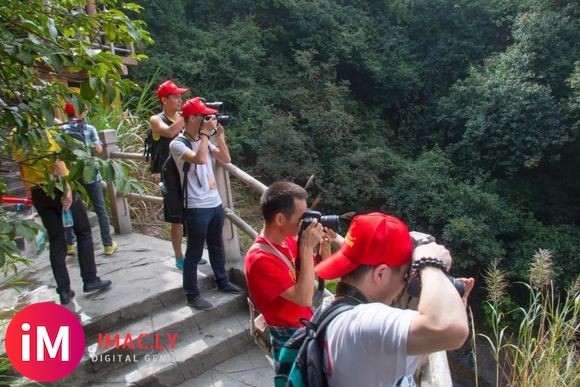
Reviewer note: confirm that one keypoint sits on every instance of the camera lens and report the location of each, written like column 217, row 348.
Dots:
column 331, row 221
column 414, row 288
column 460, row 286
column 223, row 120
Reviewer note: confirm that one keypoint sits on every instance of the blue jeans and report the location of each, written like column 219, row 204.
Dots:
column 203, row 225
column 95, row 192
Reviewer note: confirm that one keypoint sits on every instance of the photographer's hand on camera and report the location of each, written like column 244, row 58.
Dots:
column 208, row 126
column 327, row 238
column 310, row 237
column 433, row 250
column 442, row 321
column 469, row 284
column 220, row 130
column 304, row 289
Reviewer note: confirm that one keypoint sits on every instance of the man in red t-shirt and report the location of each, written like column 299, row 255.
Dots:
column 270, row 263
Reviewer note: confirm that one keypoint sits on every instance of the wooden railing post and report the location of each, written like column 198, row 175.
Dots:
column 120, row 215
column 230, row 240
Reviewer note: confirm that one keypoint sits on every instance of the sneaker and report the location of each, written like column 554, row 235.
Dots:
column 230, row 288
column 202, row 261
column 70, row 249
column 179, row 263
column 96, row 284
column 109, row 250
column 66, row 296
column 199, row 303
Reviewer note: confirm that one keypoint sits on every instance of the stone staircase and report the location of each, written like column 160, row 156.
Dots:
column 180, row 343
column 210, row 347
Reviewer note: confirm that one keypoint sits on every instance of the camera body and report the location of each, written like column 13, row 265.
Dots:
column 414, row 285
column 222, row 119
column 329, row 221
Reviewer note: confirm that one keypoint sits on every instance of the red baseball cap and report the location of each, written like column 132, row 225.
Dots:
column 195, row 106
column 168, row 88
column 69, row 109
column 372, row 239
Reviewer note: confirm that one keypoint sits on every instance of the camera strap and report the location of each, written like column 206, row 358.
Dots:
column 269, row 247
column 352, row 292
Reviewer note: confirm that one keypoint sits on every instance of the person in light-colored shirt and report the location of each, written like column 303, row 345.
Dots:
column 375, row 344
column 204, row 214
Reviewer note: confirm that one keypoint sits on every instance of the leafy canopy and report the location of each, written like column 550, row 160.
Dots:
column 40, row 42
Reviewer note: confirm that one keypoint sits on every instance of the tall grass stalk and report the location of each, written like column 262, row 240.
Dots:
column 474, row 347
column 541, row 350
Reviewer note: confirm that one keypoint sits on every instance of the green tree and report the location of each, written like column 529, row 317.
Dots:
column 460, row 116
column 500, row 120
column 40, row 41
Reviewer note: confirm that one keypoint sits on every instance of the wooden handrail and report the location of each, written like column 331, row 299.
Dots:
column 240, row 174
column 147, row 198
column 240, row 223
column 244, row 177
column 125, row 155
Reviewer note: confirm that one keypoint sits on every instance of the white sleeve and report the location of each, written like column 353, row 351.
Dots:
column 177, row 148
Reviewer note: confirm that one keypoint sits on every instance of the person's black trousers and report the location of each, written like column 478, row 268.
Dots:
column 50, row 211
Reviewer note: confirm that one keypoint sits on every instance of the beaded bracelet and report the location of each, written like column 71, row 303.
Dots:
column 427, row 261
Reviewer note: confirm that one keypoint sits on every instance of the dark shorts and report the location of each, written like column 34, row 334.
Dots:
column 171, row 218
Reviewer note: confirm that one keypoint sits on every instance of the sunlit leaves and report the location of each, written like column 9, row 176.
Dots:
column 41, row 41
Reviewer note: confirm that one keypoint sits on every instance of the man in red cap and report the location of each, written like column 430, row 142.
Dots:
column 204, row 214
column 165, row 126
column 376, row 344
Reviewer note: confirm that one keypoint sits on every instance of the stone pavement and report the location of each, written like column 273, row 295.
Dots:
column 146, row 286
column 251, row 368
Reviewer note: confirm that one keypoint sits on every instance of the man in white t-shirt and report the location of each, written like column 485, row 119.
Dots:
column 375, row 344
column 204, row 215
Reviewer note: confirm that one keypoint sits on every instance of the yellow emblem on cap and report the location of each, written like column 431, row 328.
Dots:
column 349, row 239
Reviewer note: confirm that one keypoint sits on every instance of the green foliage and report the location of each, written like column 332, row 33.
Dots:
column 459, row 116
column 10, row 227
column 549, row 36
column 500, row 121
column 562, row 240
column 39, row 42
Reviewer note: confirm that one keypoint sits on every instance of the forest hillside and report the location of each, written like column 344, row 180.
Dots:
column 461, row 117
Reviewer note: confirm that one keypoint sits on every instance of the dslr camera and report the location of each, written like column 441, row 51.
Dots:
column 414, row 285
column 221, row 118
column 329, row 221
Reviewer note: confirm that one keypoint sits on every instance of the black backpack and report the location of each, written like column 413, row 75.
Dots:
column 302, row 356
column 174, row 191
column 157, row 151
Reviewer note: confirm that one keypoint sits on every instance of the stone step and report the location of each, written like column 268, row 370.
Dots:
column 142, row 308
column 252, row 367
column 147, row 289
column 177, row 319
column 195, row 352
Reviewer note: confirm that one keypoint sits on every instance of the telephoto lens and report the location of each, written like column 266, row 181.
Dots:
column 330, row 221
column 414, row 288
